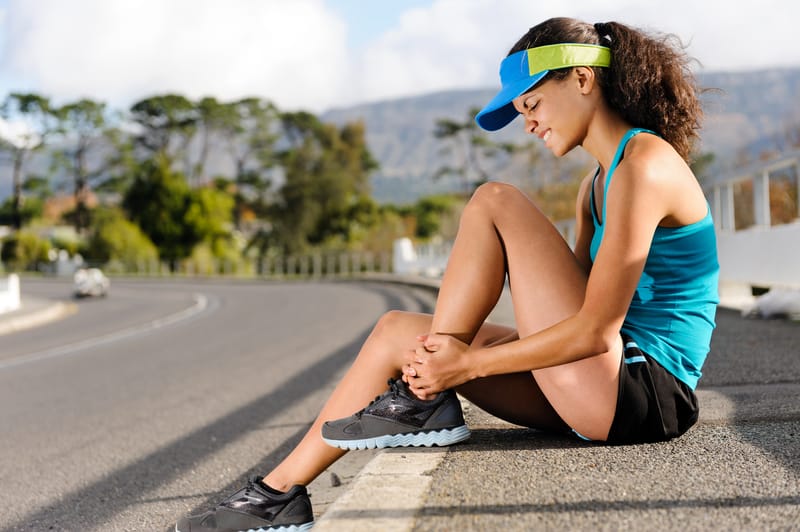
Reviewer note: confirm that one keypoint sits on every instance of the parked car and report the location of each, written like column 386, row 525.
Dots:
column 91, row 282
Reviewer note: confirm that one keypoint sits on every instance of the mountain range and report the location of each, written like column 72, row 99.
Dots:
column 747, row 114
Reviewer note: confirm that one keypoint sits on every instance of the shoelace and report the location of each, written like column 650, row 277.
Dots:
column 394, row 390
column 252, row 482
column 249, row 489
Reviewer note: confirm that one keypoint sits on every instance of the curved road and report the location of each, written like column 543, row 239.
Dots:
column 151, row 402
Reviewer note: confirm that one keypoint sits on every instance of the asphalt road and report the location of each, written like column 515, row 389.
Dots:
column 165, row 395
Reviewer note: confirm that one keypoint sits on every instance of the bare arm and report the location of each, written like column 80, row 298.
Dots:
column 638, row 199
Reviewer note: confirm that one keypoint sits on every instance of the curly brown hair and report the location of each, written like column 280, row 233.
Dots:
column 649, row 82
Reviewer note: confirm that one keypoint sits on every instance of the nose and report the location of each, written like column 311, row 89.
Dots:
column 530, row 123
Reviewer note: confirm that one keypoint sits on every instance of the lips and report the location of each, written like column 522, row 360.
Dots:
column 545, row 135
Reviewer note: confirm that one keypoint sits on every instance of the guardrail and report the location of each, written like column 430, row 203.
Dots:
column 758, row 223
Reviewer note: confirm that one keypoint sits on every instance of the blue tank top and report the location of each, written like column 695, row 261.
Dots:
column 672, row 313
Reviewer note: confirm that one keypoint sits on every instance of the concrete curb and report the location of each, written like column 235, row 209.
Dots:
column 47, row 314
column 396, row 480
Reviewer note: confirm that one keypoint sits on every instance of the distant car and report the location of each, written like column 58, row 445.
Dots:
column 91, row 282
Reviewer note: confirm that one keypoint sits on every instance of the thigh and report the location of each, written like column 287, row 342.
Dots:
column 513, row 397
column 547, row 286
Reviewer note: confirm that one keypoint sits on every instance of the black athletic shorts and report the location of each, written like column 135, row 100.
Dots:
column 652, row 405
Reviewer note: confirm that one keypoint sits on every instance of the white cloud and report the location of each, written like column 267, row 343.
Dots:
column 121, row 51
column 18, row 133
column 458, row 44
column 294, row 52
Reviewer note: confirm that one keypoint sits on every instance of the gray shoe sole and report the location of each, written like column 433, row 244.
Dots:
column 286, row 528
column 439, row 438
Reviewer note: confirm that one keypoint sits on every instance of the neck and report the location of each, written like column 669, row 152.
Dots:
column 603, row 135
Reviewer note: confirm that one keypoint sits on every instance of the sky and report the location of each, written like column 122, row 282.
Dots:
column 321, row 54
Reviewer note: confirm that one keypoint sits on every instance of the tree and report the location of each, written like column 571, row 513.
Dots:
column 34, row 112
column 158, row 201
column 167, row 124
column 83, row 125
column 213, row 118
column 327, row 172
column 251, row 136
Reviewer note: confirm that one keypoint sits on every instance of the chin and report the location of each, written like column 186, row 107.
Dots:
column 560, row 151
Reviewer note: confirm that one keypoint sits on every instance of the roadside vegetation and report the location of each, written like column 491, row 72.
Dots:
column 238, row 183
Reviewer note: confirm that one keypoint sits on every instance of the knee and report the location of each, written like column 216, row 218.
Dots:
column 492, row 197
column 390, row 322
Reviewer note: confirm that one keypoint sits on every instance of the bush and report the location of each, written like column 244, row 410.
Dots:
column 116, row 239
column 24, row 250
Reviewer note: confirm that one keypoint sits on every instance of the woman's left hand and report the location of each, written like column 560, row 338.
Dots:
column 437, row 364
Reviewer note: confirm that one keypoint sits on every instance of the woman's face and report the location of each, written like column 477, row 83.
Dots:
column 556, row 112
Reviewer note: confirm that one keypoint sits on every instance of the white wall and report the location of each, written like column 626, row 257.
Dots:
column 9, row 293
column 761, row 256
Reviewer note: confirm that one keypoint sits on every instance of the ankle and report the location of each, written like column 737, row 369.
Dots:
column 275, row 484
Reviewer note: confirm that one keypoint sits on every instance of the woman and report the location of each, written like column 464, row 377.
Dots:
column 611, row 338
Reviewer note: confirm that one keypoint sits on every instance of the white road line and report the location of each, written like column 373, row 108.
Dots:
column 386, row 495
column 200, row 304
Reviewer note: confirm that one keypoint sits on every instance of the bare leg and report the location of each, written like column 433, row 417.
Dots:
column 379, row 359
column 501, row 228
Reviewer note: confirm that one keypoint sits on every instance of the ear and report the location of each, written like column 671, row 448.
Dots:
column 584, row 78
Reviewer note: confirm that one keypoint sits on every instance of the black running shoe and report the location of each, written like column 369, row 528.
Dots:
column 254, row 509
column 397, row 418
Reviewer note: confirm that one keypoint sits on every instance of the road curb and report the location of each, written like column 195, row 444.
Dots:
column 386, row 494
column 53, row 312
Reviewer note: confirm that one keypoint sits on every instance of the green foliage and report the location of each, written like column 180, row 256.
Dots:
column 429, row 213
column 158, row 201
column 37, row 186
column 30, row 208
column 327, row 181
column 116, row 239
column 168, row 122
column 23, row 250
column 209, row 215
column 174, row 216
column 172, row 209
column 65, row 238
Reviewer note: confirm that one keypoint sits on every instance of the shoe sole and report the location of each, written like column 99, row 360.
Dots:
column 286, row 528
column 439, row 438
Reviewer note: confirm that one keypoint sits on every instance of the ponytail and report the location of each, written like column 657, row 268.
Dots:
column 650, row 84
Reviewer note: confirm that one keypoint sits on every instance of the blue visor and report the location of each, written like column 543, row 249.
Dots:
column 521, row 71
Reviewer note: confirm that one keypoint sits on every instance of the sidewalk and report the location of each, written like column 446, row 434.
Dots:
column 738, row 468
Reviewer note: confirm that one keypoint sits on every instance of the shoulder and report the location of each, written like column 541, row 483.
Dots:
column 654, row 177
column 651, row 162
